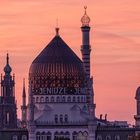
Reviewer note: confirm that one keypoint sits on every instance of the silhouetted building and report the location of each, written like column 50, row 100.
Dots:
column 8, row 109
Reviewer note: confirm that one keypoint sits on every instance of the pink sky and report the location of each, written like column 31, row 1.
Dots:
column 27, row 26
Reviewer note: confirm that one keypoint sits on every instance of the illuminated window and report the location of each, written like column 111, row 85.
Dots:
column 7, row 118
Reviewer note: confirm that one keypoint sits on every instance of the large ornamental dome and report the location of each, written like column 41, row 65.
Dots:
column 57, row 66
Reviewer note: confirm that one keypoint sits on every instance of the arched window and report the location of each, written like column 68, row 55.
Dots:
column 42, row 99
column 48, row 136
column 24, row 137
column 108, row 137
column 99, row 137
column 69, row 99
column 61, row 118
column 43, row 136
column 38, row 136
column 117, row 137
column 56, row 118
column 52, row 99
column 67, row 134
column 47, row 99
column 63, row 99
column 66, row 118
column 74, row 135
column 15, row 137
column 74, row 99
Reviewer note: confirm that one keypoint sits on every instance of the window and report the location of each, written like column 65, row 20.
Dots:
column 68, row 99
column 24, row 137
column 15, row 138
column 73, row 99
column 38, row 136
column 61, row 118
column 78, row 99
column 7, row 118
column 108, row 137
column 42, row 99
column 56, row 118
column 63, row 99
column 47, row 99
column 49, row 136
column 117, row 137
column 52, row 99
column 74, row 135
column 66, row 118
column 99, row 137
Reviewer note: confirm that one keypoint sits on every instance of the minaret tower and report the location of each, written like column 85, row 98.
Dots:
column 137, row 116
column 85, row 48
column 24, row 107
column 8, row 109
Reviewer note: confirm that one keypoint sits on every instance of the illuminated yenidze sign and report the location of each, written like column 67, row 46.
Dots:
column 62, row 90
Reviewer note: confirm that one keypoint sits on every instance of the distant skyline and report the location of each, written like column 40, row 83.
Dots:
column 26, row 27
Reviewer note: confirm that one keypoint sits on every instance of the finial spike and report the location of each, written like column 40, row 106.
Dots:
column 85, row 7
column 85, row 19
column 57, row 28
column 24, row 94
column 57, row 31
column 7, row 58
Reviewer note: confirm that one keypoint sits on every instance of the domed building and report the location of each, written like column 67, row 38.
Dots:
column 60, row 91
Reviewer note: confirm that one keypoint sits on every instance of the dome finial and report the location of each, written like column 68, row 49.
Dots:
column 85, row 7
column 85, row 19
column 7, row 58
column 57, row 28
column 57, row 31
column 7, row 68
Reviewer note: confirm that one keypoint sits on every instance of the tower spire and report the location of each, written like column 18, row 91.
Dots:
column 24, row 107
column 7, row 58
column 85, row 48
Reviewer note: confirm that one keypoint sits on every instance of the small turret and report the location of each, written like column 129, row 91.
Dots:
column 24, row 107
column 9, row 110
column 85, row 48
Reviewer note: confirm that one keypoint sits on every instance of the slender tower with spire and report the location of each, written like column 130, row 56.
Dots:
column 24, row 107
column 8, row 109
column 85, row 48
